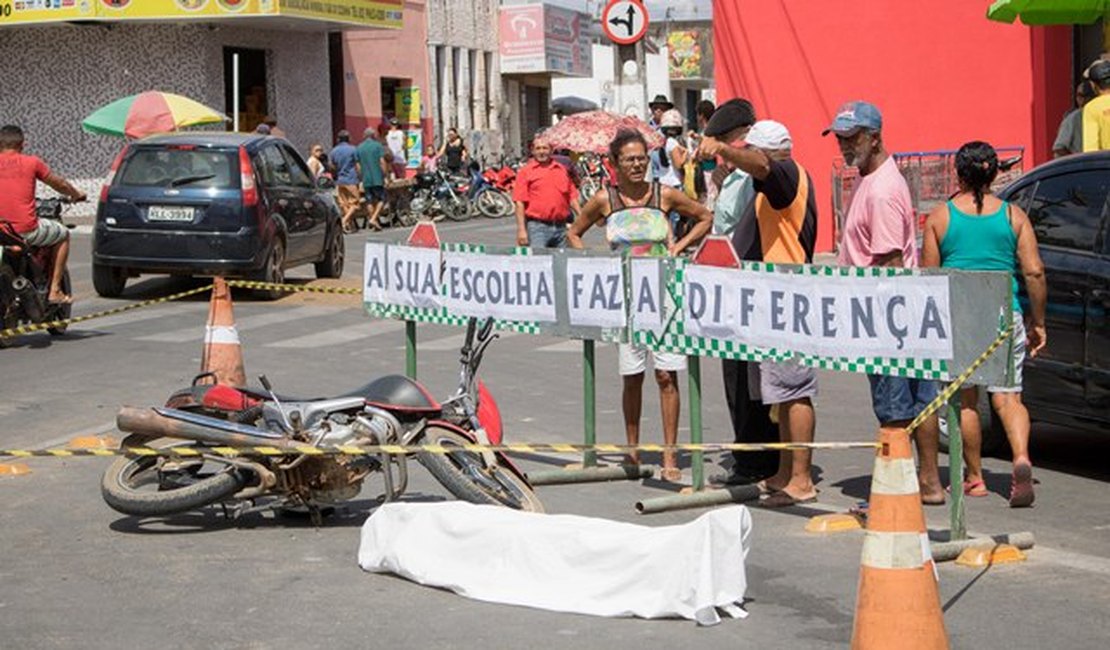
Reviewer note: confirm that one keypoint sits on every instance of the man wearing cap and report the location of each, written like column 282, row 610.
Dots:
column 880, row 229
column 780, row 226
column 751, row 421
column 658, row 106
column 344, row 160
column 395, row 141
column 1096, row 114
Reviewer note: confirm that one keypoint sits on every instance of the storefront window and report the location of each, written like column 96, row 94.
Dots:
column 254, row 103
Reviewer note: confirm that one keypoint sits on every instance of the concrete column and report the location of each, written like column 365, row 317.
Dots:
column 431, row 96
column 481, row 104
column 496, row 93
column 447, row 100
column 466, row 122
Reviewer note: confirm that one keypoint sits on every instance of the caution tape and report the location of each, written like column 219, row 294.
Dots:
column 38, row 327
column 245, row 284
column 400, row 450
column 951, row 388
column 293, row 288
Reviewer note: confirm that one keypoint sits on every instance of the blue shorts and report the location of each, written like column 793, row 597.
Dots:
column 374, row 193
column 898, row 399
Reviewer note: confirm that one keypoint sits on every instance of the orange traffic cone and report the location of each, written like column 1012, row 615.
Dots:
column 899, row 603
column 222, row 353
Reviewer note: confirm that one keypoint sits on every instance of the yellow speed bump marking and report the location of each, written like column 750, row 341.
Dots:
column 832, row 523
column 92, row 442
column 14, row 469
column 981, row 556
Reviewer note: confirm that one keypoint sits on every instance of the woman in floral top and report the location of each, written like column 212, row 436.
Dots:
column 634, row 214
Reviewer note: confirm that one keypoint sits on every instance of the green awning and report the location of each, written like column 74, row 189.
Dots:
column 1049, row 12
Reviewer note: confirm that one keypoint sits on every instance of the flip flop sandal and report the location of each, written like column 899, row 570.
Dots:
column 972, row 489
column 784, row 500
column 670, row 474
column 1021, row 486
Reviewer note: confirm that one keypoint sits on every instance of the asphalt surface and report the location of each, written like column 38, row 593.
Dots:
column 75, row 574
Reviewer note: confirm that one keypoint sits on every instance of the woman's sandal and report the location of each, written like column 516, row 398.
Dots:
column 670, row 474
column 975, row 489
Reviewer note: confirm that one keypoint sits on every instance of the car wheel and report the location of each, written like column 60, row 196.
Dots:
column 332, row 264
column 108, row 281
column 273, row 271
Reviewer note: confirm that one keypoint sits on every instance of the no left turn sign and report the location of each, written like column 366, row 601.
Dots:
column 625, row 21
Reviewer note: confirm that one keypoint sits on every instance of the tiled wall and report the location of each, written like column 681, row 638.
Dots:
column 56, row 75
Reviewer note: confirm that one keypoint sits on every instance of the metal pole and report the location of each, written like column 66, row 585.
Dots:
column 234, row 92
column 697, row 466
column 956, row 469
column 589, row 401
column 410, row 349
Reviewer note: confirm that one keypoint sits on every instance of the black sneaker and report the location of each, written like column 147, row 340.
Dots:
column 735, row 478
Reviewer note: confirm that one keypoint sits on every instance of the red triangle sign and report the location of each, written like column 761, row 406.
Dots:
column 425, row 235
column 716, row 250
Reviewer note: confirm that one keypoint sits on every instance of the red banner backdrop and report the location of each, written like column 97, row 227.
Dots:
column 940, row 72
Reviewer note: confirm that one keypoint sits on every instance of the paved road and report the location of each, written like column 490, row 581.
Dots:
column 78, row 575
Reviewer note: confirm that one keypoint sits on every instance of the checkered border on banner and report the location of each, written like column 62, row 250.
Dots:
column 676, row 340
column 440, row 316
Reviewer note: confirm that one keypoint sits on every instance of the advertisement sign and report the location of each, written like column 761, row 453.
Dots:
column 407, row 105
column 566, row 42
column 690, row 53
column 369, row 13
column 414, row 147
column 522, row 48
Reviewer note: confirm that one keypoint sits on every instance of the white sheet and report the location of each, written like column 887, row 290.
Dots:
column 565, row 563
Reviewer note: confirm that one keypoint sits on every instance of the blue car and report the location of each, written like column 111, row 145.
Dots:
column 213, row 204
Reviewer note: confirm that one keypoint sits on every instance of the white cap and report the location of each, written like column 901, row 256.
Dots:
column 770, row 135
column 671, row 118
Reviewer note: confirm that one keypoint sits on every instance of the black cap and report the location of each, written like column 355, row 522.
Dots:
column 661, row 100
column 1099, row 72
column 729, row 116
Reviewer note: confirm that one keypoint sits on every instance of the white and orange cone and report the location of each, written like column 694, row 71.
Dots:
column 898, row 605
column 222, row 352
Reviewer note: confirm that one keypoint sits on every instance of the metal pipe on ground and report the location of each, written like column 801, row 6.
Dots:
column 948, row 551
column 591, row 474
column 699, row 499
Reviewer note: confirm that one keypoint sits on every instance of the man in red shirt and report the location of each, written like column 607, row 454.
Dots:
column 545, row 198
column 18, row 174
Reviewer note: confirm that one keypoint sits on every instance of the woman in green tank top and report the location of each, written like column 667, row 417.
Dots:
column 977, row 231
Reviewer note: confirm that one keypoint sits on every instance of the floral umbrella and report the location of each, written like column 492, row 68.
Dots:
column 1049, row 12
column 148, row 113
column 594, row 130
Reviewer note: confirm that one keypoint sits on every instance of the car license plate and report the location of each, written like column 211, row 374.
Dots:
column 169, row 213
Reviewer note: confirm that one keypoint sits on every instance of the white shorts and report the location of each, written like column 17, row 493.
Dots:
column 1018, row 357
column 633, row 360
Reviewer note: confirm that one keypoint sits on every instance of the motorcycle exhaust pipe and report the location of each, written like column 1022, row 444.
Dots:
column 173, row 423
column 29, row 298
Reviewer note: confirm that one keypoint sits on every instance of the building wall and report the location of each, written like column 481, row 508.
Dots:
column 66, row 72
column 941, row 73
column 370, row 54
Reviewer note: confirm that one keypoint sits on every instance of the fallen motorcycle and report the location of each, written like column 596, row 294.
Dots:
column 391, row 410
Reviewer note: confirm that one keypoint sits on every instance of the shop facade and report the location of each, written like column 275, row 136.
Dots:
column 70, row 65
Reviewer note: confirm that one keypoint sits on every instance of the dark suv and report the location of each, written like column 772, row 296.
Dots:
column 207, row 204
column 1069, row 382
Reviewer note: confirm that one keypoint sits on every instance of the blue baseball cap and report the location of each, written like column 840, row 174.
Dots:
column 854, row 116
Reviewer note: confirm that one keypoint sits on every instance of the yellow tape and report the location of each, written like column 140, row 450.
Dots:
column 398, row 450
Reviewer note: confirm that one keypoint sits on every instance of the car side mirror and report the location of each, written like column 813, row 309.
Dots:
column 325, row 183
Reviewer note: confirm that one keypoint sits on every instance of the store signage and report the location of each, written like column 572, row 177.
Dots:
column 366, row 13
column 625, row 21
column 544, row 39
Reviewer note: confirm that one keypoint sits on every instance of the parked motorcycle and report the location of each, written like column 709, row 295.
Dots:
column 391, row 410
column 436, row 194
column 25, row 278
column 487, row 199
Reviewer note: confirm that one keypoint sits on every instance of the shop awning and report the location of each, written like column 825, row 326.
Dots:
column 291, row 14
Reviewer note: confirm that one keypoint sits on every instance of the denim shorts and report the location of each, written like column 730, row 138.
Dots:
column 897, row 399
column 546, row 234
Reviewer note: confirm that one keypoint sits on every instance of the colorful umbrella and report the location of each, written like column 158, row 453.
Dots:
column 594, row 130
column 148, row 113
column 1049, row 12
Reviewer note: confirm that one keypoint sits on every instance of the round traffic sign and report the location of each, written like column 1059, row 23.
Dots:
column 625, row 21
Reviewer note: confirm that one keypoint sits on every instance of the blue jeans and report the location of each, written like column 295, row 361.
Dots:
column 899, row 399
column 543, row 234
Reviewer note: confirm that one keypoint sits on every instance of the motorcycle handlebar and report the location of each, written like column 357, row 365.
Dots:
column 483, row 334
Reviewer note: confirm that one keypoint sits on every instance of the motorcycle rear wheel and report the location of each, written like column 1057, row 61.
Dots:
column 9, row 313
column 494, row 204
column 63, row 311
column 465, row 474
column 184, row 489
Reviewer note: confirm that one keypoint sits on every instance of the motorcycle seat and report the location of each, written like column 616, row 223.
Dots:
column 397, row 393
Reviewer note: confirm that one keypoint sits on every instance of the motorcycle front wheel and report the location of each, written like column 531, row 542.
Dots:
column 151, row 486
column 494, row 204
column 466, row 475
column 455, row 209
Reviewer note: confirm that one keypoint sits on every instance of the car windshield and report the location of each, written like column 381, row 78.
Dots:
column 180, row 168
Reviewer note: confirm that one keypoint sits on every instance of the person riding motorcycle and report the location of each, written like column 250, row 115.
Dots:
column 18, row 175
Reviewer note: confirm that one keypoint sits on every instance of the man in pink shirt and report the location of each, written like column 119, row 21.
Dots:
column 880, row 230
